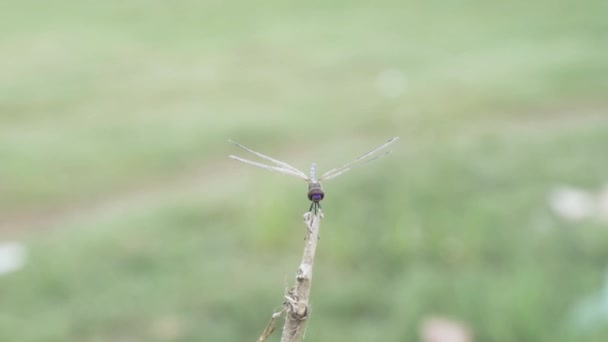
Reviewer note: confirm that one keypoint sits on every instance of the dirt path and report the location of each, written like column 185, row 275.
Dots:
column 112, row 204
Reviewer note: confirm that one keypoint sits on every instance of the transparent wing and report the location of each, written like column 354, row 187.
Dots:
column 341, row 170
column 359, row 161
column 272, row 168
column 282, row 165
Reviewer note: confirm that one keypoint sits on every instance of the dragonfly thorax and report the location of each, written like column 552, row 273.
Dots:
column 315, row 192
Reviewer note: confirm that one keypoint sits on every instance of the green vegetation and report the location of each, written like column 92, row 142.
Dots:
column 114, row 120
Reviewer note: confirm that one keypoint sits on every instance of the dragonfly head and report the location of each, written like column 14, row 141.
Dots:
column 315, row 192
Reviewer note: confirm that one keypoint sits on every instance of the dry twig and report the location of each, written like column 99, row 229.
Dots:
column 296, row 299
column 270, row 326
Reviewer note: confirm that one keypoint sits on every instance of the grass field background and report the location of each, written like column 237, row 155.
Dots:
column 114, row 121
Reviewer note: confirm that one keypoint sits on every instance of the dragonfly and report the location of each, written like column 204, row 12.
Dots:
column 315, row 190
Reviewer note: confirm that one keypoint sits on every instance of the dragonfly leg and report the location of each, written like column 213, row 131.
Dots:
column 314, row 206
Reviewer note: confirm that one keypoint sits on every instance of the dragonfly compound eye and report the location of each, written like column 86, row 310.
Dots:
column 316, row 195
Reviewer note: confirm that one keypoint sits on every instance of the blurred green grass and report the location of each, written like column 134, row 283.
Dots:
column 114, row 120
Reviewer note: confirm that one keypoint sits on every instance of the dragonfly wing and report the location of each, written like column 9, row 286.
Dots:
column 272, row 160
column 272, row 168
column 341, row 170
column 359, row 161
